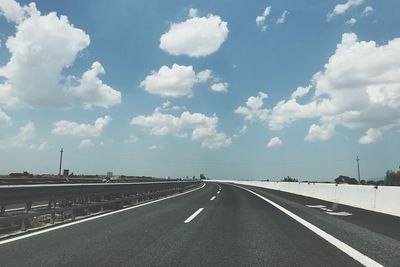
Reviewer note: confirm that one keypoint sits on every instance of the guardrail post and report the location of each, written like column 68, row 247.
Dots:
column 24, row 225
column 53, row 218
column 73, row 214
column 28, row 206
column 52, row 203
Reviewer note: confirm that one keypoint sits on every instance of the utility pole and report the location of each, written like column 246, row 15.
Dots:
column 61, row 153
column 358, row 168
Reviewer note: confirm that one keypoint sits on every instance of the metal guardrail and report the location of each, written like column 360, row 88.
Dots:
column 66, row 201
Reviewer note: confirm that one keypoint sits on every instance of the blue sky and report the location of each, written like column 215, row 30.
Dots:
column 232, row 89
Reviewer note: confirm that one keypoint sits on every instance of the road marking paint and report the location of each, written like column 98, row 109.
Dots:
column 340, row 213
column 212, row 198
column 353, row 253
column 316, row 206
column 329, row 211
column 326, row 209
column 93, row 218
column 188, row 220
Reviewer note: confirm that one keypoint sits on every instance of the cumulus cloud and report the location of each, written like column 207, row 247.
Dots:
column 64, row 127
column 85, row 143
column 341, row 9
column 254, row 111
column 359, row 88
column 195, row 37
column 220, row 87
column 13, row 11
column 176, row 81
column 5, row 120
column 371, row 136
column 351, row 22
column 367, row 11
column 261, row 20
column 301, row 91
column 25, row 135
column 204, row 75
column 320, row 133
column 93, row 91
column 43, row 47
column 282, row 18
column 202, row 128
column 274, row 142
column 193, row 12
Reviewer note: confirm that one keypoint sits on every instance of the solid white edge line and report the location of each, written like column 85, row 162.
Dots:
column 212, row 198
column 191, row 217
column 353, row 253
column 93, row 218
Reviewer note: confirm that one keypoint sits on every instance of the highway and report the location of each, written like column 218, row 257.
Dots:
column 217, row 225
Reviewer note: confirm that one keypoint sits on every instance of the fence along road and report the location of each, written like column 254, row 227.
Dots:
column 236, row 228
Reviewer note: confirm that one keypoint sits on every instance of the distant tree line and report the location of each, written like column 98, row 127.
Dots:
column 392, row 178
column 289, row 179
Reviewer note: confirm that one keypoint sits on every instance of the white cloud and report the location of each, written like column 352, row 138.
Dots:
column 254, row 111
column 51, row 44
column 64, row 127
column 93, row 92
column 85, row 143
column 26, row 134
column 177, row 81
column 203, row 128
column 204, row 75
column 131, row 140
column 282, row 18
column 242, row 131
column 12, row 11
column 195, row 37
column 261, row 20
column 359, row 88
column 341, row 9
column 286, row 112
column 193, row 12
column 301, row 91
column 351, row 21
column 371, row 136
column 220, row 87
column 367, row 11
column 5, row 120
column 274, row 142
column 42, row 146
column 167, row 106
column 320, row 133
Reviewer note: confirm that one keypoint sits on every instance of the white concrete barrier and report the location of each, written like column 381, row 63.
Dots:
column 384, row 199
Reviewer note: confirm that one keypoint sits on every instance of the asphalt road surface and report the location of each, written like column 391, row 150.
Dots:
column 218, row 225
